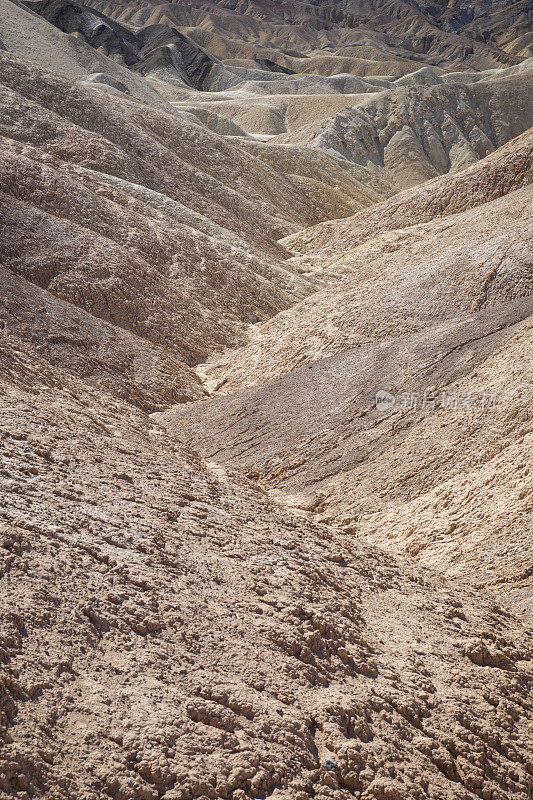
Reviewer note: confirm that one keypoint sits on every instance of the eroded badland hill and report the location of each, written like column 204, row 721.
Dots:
column 266, row 437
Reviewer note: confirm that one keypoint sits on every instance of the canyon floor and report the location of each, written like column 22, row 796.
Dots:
column 266, row 430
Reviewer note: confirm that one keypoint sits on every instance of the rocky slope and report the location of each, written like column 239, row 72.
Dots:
column 403, row 119
column 389, row 29
column 507, row 25
column 226, row 570
column 119, row 213
column 448, row 211
column 447, row 336
column 169, row 632
column 415, row 133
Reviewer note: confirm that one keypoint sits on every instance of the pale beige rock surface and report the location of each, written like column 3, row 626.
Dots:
column 440, row 312
column 102, row 354
column 415, row 133
column 382, row 252
column 279, row 591
column 510, row 167
column 167, row 631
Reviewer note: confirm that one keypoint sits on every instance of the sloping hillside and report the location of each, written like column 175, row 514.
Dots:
column 438, row 317
column 265, row 421
column 169, row 632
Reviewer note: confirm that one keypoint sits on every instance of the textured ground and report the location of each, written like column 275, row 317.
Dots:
column 439, row 315
column 489, row 200
column 409, row 112
column 417, row 132
column 169, row 632
column 86, row 175
column 224, row 571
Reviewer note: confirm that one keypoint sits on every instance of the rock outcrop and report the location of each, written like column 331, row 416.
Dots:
column 415, row 133
column 387, row 30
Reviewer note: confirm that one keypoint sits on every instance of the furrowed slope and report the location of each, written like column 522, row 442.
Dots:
column 415, row 133
column 396, row 28
column 507, row 26
column 438, row 317
column 101, row 353
column 329, row 249
column 509, row 168
column 146, row 221
column 129, row 566
column 171, row 629
column 31, row 38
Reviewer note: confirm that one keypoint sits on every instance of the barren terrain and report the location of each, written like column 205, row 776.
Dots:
column 266, row 317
